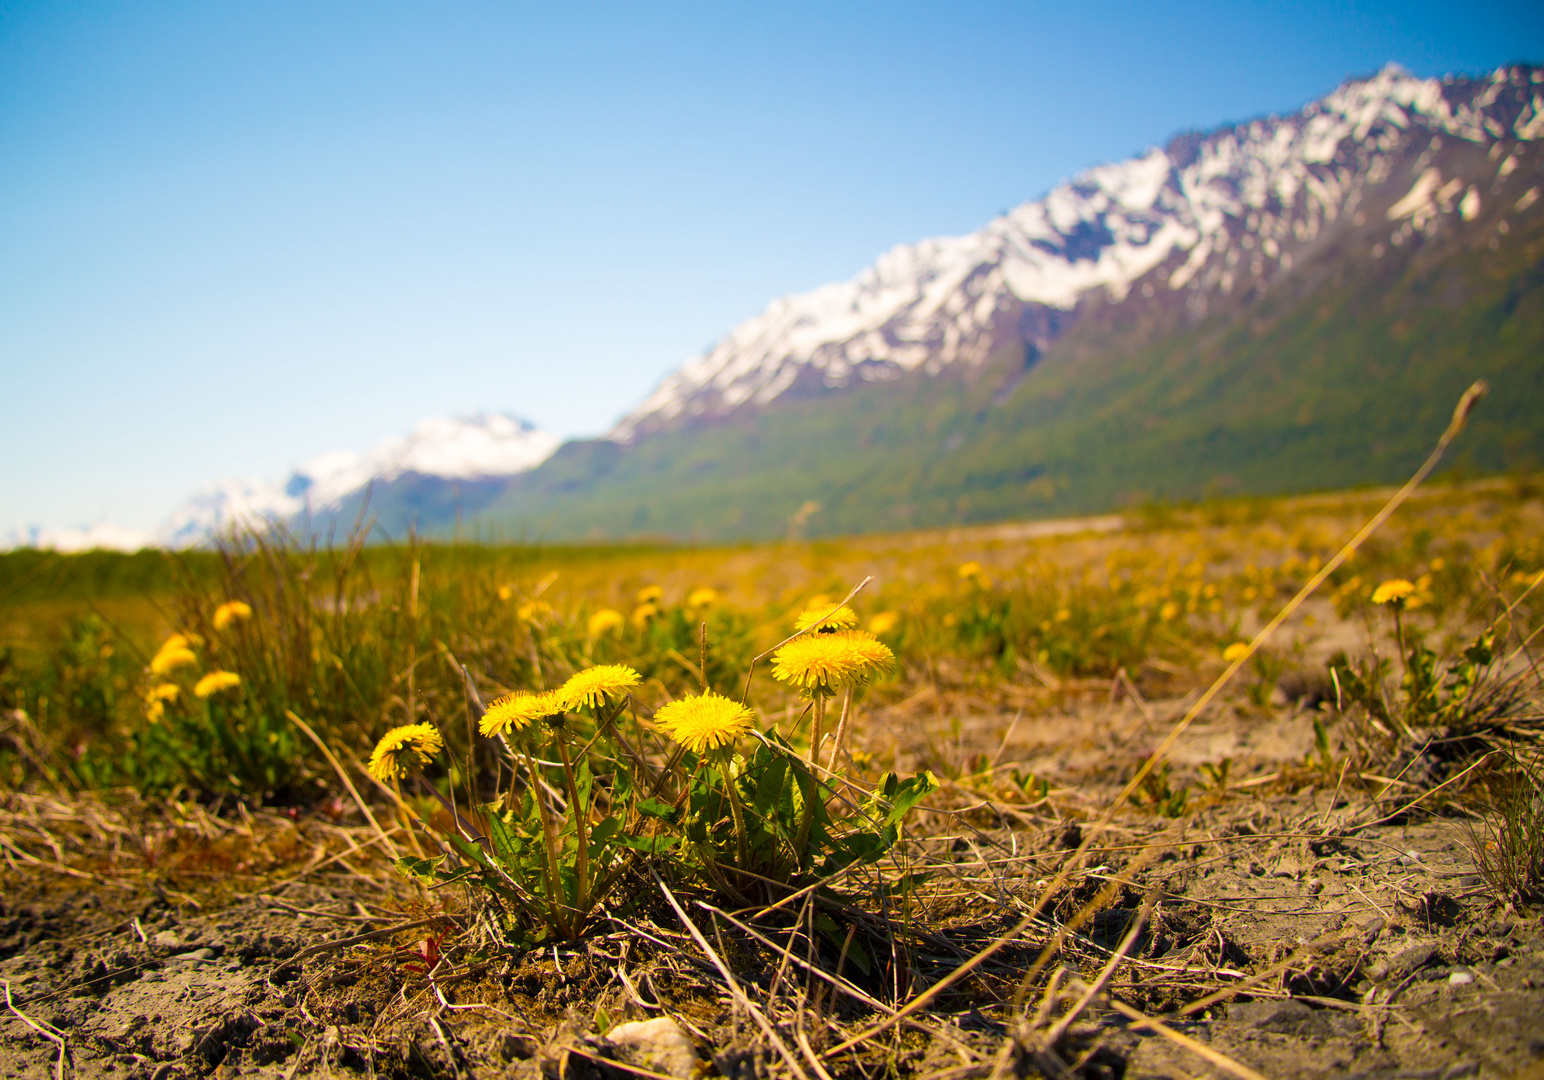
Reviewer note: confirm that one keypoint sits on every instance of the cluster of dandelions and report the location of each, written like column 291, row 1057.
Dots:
column 178, row 654
column 520, row 720
column 404, row 750
column 826, row 655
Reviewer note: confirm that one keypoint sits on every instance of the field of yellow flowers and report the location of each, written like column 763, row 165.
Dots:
column 884, row 805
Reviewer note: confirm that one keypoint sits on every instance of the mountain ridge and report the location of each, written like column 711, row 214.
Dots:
column 445, row 466
column 1392, row 191
column 1212, row 314
column 1108, row 227
column 439, row 456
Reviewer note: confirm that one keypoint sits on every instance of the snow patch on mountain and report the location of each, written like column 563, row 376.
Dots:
column 1204, row 212
column 450, row 448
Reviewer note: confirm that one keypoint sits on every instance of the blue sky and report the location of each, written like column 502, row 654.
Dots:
column 235, row 235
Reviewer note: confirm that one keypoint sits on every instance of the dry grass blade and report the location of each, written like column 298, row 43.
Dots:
column 1256, row 979
column 836, row 981
column 337, row 767
column 1095, row 988
column 1200, row 1049
column 373, row 935
column 1460, row 418
column 734, row 985
column 751, row 667
column 48, row 1031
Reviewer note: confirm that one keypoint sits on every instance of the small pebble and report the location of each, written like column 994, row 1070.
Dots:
column 197, row 956
column 1460, row 977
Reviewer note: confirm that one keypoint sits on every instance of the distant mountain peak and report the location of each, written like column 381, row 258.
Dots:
column 481, row 446
column 1184, row 217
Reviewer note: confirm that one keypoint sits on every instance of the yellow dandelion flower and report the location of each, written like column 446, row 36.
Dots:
column 1391, row 591
column 403, row 750
column 216, row 681
column 604, row 621
column 706, row 722
column 155, row 711
column 970, row 570
column 595, row 686
column 642, row 615
column 1169, row 610
column 1235, row 651
column 505, row 592
column 168, row 660
column 821, row 662
column 700, row 598
column 650, row 594
column 517, row 711
column 229, row 612
column 532, row 610
column 843, row 618
column 884, row 622
column 164, row 692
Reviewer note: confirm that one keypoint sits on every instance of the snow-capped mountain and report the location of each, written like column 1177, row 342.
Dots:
column 450, row 449
column 1206, row 216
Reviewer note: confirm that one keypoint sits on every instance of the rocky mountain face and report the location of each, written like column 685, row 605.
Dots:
column 1288, row 238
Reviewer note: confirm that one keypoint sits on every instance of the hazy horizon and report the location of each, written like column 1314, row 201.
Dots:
column 240, row 237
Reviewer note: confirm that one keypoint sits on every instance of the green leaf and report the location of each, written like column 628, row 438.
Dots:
column 905, row 794
column 652, row 807
column 426, row 871
column 601, row 835
column 1483, row 651
column 506, row 845
column 858, row 956
column 653, row 845
column 769, row 785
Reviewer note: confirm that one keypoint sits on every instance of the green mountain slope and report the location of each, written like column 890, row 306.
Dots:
column 1342, row 373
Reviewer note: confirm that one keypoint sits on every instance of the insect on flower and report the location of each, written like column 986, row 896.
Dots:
column 842, row 618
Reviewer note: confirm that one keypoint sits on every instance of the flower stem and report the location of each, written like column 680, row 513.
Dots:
column 840, row 737
column 811, row 783
column 581, row 829
column 549, row 836
column 742, row 841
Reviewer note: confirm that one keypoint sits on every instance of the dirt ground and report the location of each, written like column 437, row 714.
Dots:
column 159, row 942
